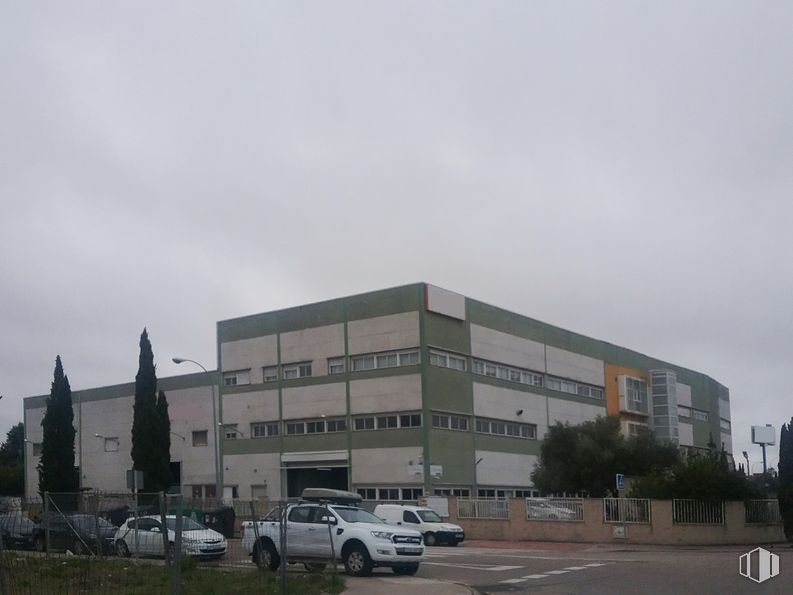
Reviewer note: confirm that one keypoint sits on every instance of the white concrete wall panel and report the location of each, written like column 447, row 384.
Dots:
column 508, row 349
column 245, row 408
column 313, row 344
column 683, row 394
column 561, row 410
column 384, row 465
column 504, row 469
column 445, row 302
column 249, row 353
column 503, row 403
column 315, row 400
column 567, row 364
column 389, row 393
column 249, row 470
column 685, row 433
column 383, row 333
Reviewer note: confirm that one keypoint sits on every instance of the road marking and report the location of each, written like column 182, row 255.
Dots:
column 548, row 573
column 475, row 566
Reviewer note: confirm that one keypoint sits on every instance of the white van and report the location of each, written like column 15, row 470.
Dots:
column 422, row 519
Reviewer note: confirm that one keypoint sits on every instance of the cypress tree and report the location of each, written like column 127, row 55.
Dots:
column 147, row 453
column 56, row 466
column 785, row 494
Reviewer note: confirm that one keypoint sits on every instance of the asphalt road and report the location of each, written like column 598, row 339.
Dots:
column 602, row 569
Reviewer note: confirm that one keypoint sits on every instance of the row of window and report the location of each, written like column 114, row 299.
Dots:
column 506, row 428
column 697, row 414
column 388, row 422
column 522, row 376
column 400, row 494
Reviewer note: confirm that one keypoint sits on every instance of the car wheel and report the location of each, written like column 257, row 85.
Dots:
column 357, row 561
column 122, row 549
column 315, row 566
column 430, row 539
column 265, row 556
column 406, row 569
column 39, row 544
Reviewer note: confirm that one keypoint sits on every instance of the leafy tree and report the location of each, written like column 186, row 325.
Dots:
column 707, row 477
column 56, row 466
column 785, row 491
column 148, row 454
column 12, row 478
column 586, row 457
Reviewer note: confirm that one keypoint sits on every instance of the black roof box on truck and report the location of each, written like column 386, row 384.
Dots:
column 332, row 496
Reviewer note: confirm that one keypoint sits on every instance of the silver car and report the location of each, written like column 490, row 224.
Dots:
column 143, row 536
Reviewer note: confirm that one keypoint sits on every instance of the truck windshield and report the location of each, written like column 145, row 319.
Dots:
column 429, row 516
column 357, row 515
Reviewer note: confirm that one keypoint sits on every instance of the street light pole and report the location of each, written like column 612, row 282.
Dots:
column 218, row 482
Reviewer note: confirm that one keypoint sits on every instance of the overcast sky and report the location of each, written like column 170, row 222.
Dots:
column 620, row 169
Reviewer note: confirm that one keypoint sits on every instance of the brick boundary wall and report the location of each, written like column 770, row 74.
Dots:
column 662, row 531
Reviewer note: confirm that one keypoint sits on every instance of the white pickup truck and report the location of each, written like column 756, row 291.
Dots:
column 325, row 525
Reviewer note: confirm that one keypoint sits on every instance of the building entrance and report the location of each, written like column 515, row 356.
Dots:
column 298, row 479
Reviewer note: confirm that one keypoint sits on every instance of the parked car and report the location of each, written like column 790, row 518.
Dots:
column 328, row 523
column 76, row 533
column 17, row 531
column 539, row 508
column 424, row 520
column 143, row 536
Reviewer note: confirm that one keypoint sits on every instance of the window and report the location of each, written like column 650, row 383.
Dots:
column 336, row 365
column 376, row 361
column 230, row 431
column 506, row 428
column 683, row 411
column 292, row 371
column 575, row 388
column 336, row 425
column 367, row 493
column 364, row 423
column 238, row 378
column 635, row 394
column 494, row 494
column 315, row 427
column 111, row 444
column 409, row 517
column 388, row 494
column 200, row 438
column 509, row 373
column 444, row 359
column 264, row 429
column 412, row 420
column 700, row 415
column 270, row 374
column 37, row 446
column 458, row 492
column 724, row 424
column 293, row 428
column 387, row 422
column 412, row 493
column 449, row 422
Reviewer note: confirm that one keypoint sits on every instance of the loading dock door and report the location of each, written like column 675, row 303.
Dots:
column 300, row 478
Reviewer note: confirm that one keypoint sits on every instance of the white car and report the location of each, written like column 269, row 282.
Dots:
column 422, row 519
column 143, row 536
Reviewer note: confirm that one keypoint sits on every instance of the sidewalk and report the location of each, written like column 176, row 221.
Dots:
column 382, row 584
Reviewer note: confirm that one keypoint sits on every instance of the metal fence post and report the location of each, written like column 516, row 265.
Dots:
column 256, row 550
column 283, row 546
column 99, row 538
column 3, row 570
column 329, row 516
column 165, row 542
column 176, row 573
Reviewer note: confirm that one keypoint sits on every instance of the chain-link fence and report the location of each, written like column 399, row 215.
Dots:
column 151, row 543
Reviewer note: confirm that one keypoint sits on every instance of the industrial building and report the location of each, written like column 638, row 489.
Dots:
column 395, row 393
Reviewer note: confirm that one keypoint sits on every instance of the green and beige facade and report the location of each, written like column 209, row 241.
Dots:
column 397, row 393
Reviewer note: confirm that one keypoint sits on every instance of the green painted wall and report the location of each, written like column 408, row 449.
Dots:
column 505, row 444
column 448, row 390
column 334, row 441
column 448, row 333
column 455, row 451
column 386, row 438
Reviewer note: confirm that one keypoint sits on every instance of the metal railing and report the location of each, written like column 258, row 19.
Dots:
column 697, row 512
column 482, row 509
column 762, row 512
column 555, row 509
column 627, row 510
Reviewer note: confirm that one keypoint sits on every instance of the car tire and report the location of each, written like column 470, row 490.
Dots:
column 266, row 557
column 121, row 548
column 406, row 569
column 357, row 561
column 430, row 539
